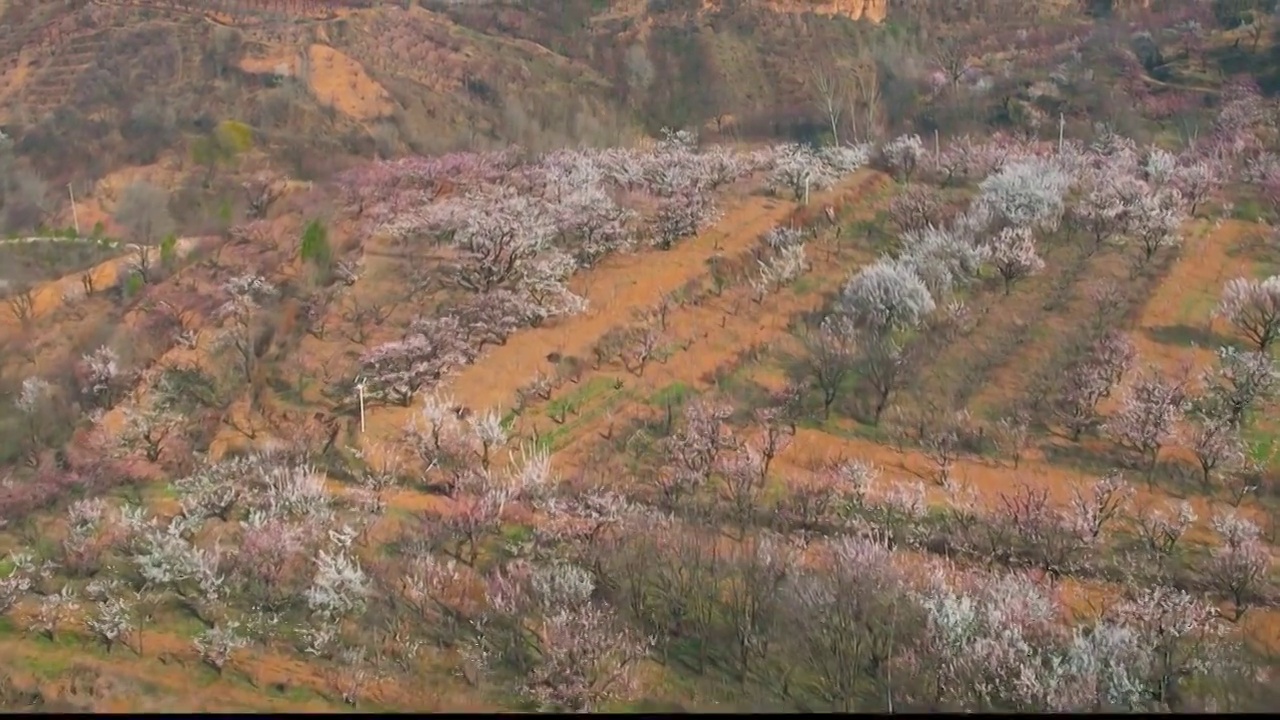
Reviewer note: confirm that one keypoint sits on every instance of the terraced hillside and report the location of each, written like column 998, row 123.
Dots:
column 977, row 422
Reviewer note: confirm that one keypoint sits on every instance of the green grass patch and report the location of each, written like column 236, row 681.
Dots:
column 677, row 393
column 294, row 693
column 1261, row 442
column 517, row 533
column 1249, row 210
column 179, row 621
column 595, row 387
column 872, row 233
column 48, row 665
column 205, row 676
column 555, row 438
column 167, row 491
column 1195, row 307
column 1262, row 270
column 846, row 429
column 804, row 285
column 64, row 639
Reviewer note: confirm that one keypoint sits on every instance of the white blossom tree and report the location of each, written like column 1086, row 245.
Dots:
column 886, row 296
column 1027, row 193
column 902, row 155
column 1253, row 306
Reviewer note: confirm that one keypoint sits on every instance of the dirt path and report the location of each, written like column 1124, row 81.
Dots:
column 702, row 339
column 1011, row 379
column 1176, row 325
column 169, row 677
column 47, row 297
column 580, row 445
column 616, row 290
column 965, row 366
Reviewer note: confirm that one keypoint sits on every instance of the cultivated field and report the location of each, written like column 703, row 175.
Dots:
column 986, row 424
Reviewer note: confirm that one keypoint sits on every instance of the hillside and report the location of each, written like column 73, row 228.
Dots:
column 968, row 405
column 322, row 83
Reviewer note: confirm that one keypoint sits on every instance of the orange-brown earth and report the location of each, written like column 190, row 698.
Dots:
column 702, row 337
column 617, row 290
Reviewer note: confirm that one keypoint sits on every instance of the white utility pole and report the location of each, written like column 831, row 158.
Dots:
column 937, row 146
column 1062, row 127
column 806, row 189
column 360, row 389
column 75, row 216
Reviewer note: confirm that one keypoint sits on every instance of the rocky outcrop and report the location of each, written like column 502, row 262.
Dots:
column 870, row 10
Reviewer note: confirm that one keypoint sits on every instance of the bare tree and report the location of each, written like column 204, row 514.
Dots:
column 23, row 199
column 884, row 365
column 832, row 353
column 22, row 303
column 864, row 100
column 645, row 343
column 260, row 192
column 829, row 96
column 942, row 446
column 952, row 59
column 143, row 210
column 754, row 599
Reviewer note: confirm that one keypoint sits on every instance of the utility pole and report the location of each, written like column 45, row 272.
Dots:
column 360, row 389
column 937, row 146
column 75, row 216
column 806, row 189
column 1062, row 127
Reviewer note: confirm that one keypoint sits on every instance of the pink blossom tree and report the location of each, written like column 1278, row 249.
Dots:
column 1155, row 220
column 1090, row 380
column 591, row 225
column 1217, row 446
column 681, row 215
column 915, row 208
column 991, row 638
column 101, row 377
column 1175, row 636
column 1240, row 567
column 1237, row 383
column 1253, row 307
column 572, row 652
column 967, row 159
column 1013, row 253
column 1196, row 182
column 902, row 155
column 1094, row 511
column 1160, row 531
column 697, row 451
column 1149, row 415
column 245, row 295
column 845, row 614
column 831, row 357
column 801, row 170
column 497, row 232
column 1102, row 212
column 396, row 371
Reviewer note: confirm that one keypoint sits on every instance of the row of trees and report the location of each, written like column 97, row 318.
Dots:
column 518, row 231
column 597, row 581
column 605, row 581
column 1110, row 193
